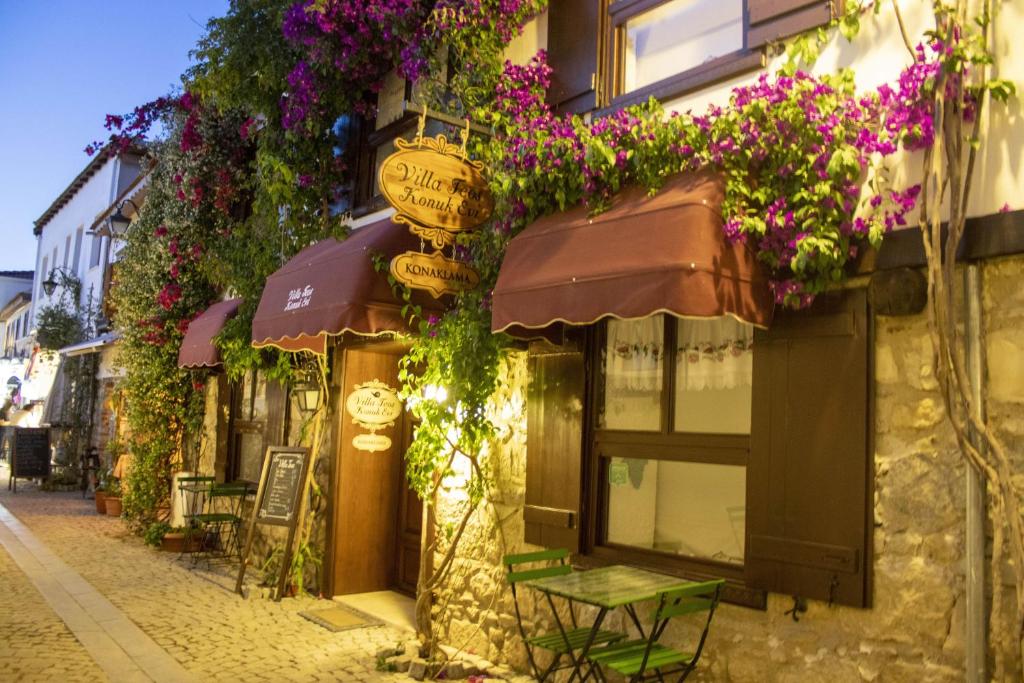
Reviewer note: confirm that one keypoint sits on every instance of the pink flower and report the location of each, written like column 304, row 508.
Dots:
column 1005, row 208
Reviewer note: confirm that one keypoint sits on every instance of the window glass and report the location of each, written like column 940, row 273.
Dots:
column 259, row 403
column 78, row 250
column 677, row 36
column 386, row 149
column 250, row 455
column 632, row 364
column 44, row 275
column 97, row 248
column 714, row 368
column 683, row 508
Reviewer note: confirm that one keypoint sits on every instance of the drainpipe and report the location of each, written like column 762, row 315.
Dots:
column 976, row 641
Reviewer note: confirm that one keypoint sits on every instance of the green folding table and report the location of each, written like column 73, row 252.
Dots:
column 607, row 588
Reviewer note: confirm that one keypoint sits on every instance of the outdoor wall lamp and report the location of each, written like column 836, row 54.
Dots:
column 308, row 396
column 62, row 277
column 50, row 285
column 119, row 222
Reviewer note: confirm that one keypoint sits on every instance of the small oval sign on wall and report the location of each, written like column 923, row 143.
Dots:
column 435, row 190
column 373, row 405
column 371, row 443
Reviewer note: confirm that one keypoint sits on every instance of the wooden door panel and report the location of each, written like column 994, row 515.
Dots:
column 366, row 495
column 410, row 524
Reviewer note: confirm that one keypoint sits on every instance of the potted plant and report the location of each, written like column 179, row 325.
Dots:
column 100, row 494
column 113, row 497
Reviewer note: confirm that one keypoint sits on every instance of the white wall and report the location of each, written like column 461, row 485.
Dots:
column 81, row 211
column 877, row 55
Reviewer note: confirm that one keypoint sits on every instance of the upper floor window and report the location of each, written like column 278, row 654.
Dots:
column 96, row 251
column 675, row 36
column 665, row 48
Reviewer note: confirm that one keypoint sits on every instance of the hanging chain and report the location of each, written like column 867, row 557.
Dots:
column 421, row 126
column 465, row 140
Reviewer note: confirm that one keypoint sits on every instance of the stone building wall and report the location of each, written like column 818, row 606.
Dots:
column 915, row 629
column 1003, row 311
column 105, row 419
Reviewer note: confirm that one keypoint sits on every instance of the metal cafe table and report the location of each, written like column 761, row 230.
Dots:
column 607, row 588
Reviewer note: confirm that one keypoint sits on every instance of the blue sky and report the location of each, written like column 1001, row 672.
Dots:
column 64, row 64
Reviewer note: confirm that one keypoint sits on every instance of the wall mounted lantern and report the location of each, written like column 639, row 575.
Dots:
column 50, row 284
column 308, row 396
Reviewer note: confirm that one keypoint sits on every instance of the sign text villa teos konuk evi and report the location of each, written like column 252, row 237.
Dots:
column 373, row 406
column 438, row 193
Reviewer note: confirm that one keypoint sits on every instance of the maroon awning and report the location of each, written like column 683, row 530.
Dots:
column 332, row 288
column 645, row 255
column 197, row 348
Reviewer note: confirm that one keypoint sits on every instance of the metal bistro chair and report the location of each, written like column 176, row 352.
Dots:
column 222, row 524
column 194, row 491
column 635, row 658
column 563, row 642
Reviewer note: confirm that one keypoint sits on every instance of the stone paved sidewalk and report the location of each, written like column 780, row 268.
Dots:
column 35, row 645
column 193, row 615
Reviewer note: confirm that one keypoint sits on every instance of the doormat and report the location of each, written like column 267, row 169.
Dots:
column 339, row 618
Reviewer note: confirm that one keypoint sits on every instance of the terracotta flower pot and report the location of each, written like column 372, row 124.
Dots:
column 113, row 506
column 101, row 503
column 174, row 542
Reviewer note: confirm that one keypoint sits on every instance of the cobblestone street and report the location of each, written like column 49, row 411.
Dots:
column 192, row 615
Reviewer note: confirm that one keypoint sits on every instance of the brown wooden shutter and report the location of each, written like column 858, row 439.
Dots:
column 776, row 19
column 573, row 35
column 809, row 474
column 277, row 404
column 554, row 440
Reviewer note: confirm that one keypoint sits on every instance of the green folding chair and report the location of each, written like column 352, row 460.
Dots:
column 565, row 641
column 634, row 659
column 194, row 492
column 222, row 524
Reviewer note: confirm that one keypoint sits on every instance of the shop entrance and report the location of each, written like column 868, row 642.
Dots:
column 376, row 540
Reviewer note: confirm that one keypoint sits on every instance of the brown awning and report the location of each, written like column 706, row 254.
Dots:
column 645, row 255
column 197, row 348
column 332, row 288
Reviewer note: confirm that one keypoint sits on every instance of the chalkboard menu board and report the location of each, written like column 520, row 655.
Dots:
column 280, row 495
column 30, row 456
column 279, row 502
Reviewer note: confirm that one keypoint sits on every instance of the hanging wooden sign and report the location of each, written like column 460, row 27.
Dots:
column 435, row 189
column 373, row 406
column 434, row 273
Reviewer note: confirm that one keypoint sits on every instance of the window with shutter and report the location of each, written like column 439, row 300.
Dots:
column 258, row 419
column 810, row 468
column 711, row 450
column 573, row 47
column 554, row 445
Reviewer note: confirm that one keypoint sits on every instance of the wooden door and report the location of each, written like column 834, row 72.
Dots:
column 410, row 525
column 366, row 492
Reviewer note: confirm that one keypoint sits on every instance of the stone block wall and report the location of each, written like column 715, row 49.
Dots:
column 915, row 629
column 105, row 418
column 1003, row 311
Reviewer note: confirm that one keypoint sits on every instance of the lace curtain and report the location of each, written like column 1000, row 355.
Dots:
column 714, row 354
column 635, row 353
